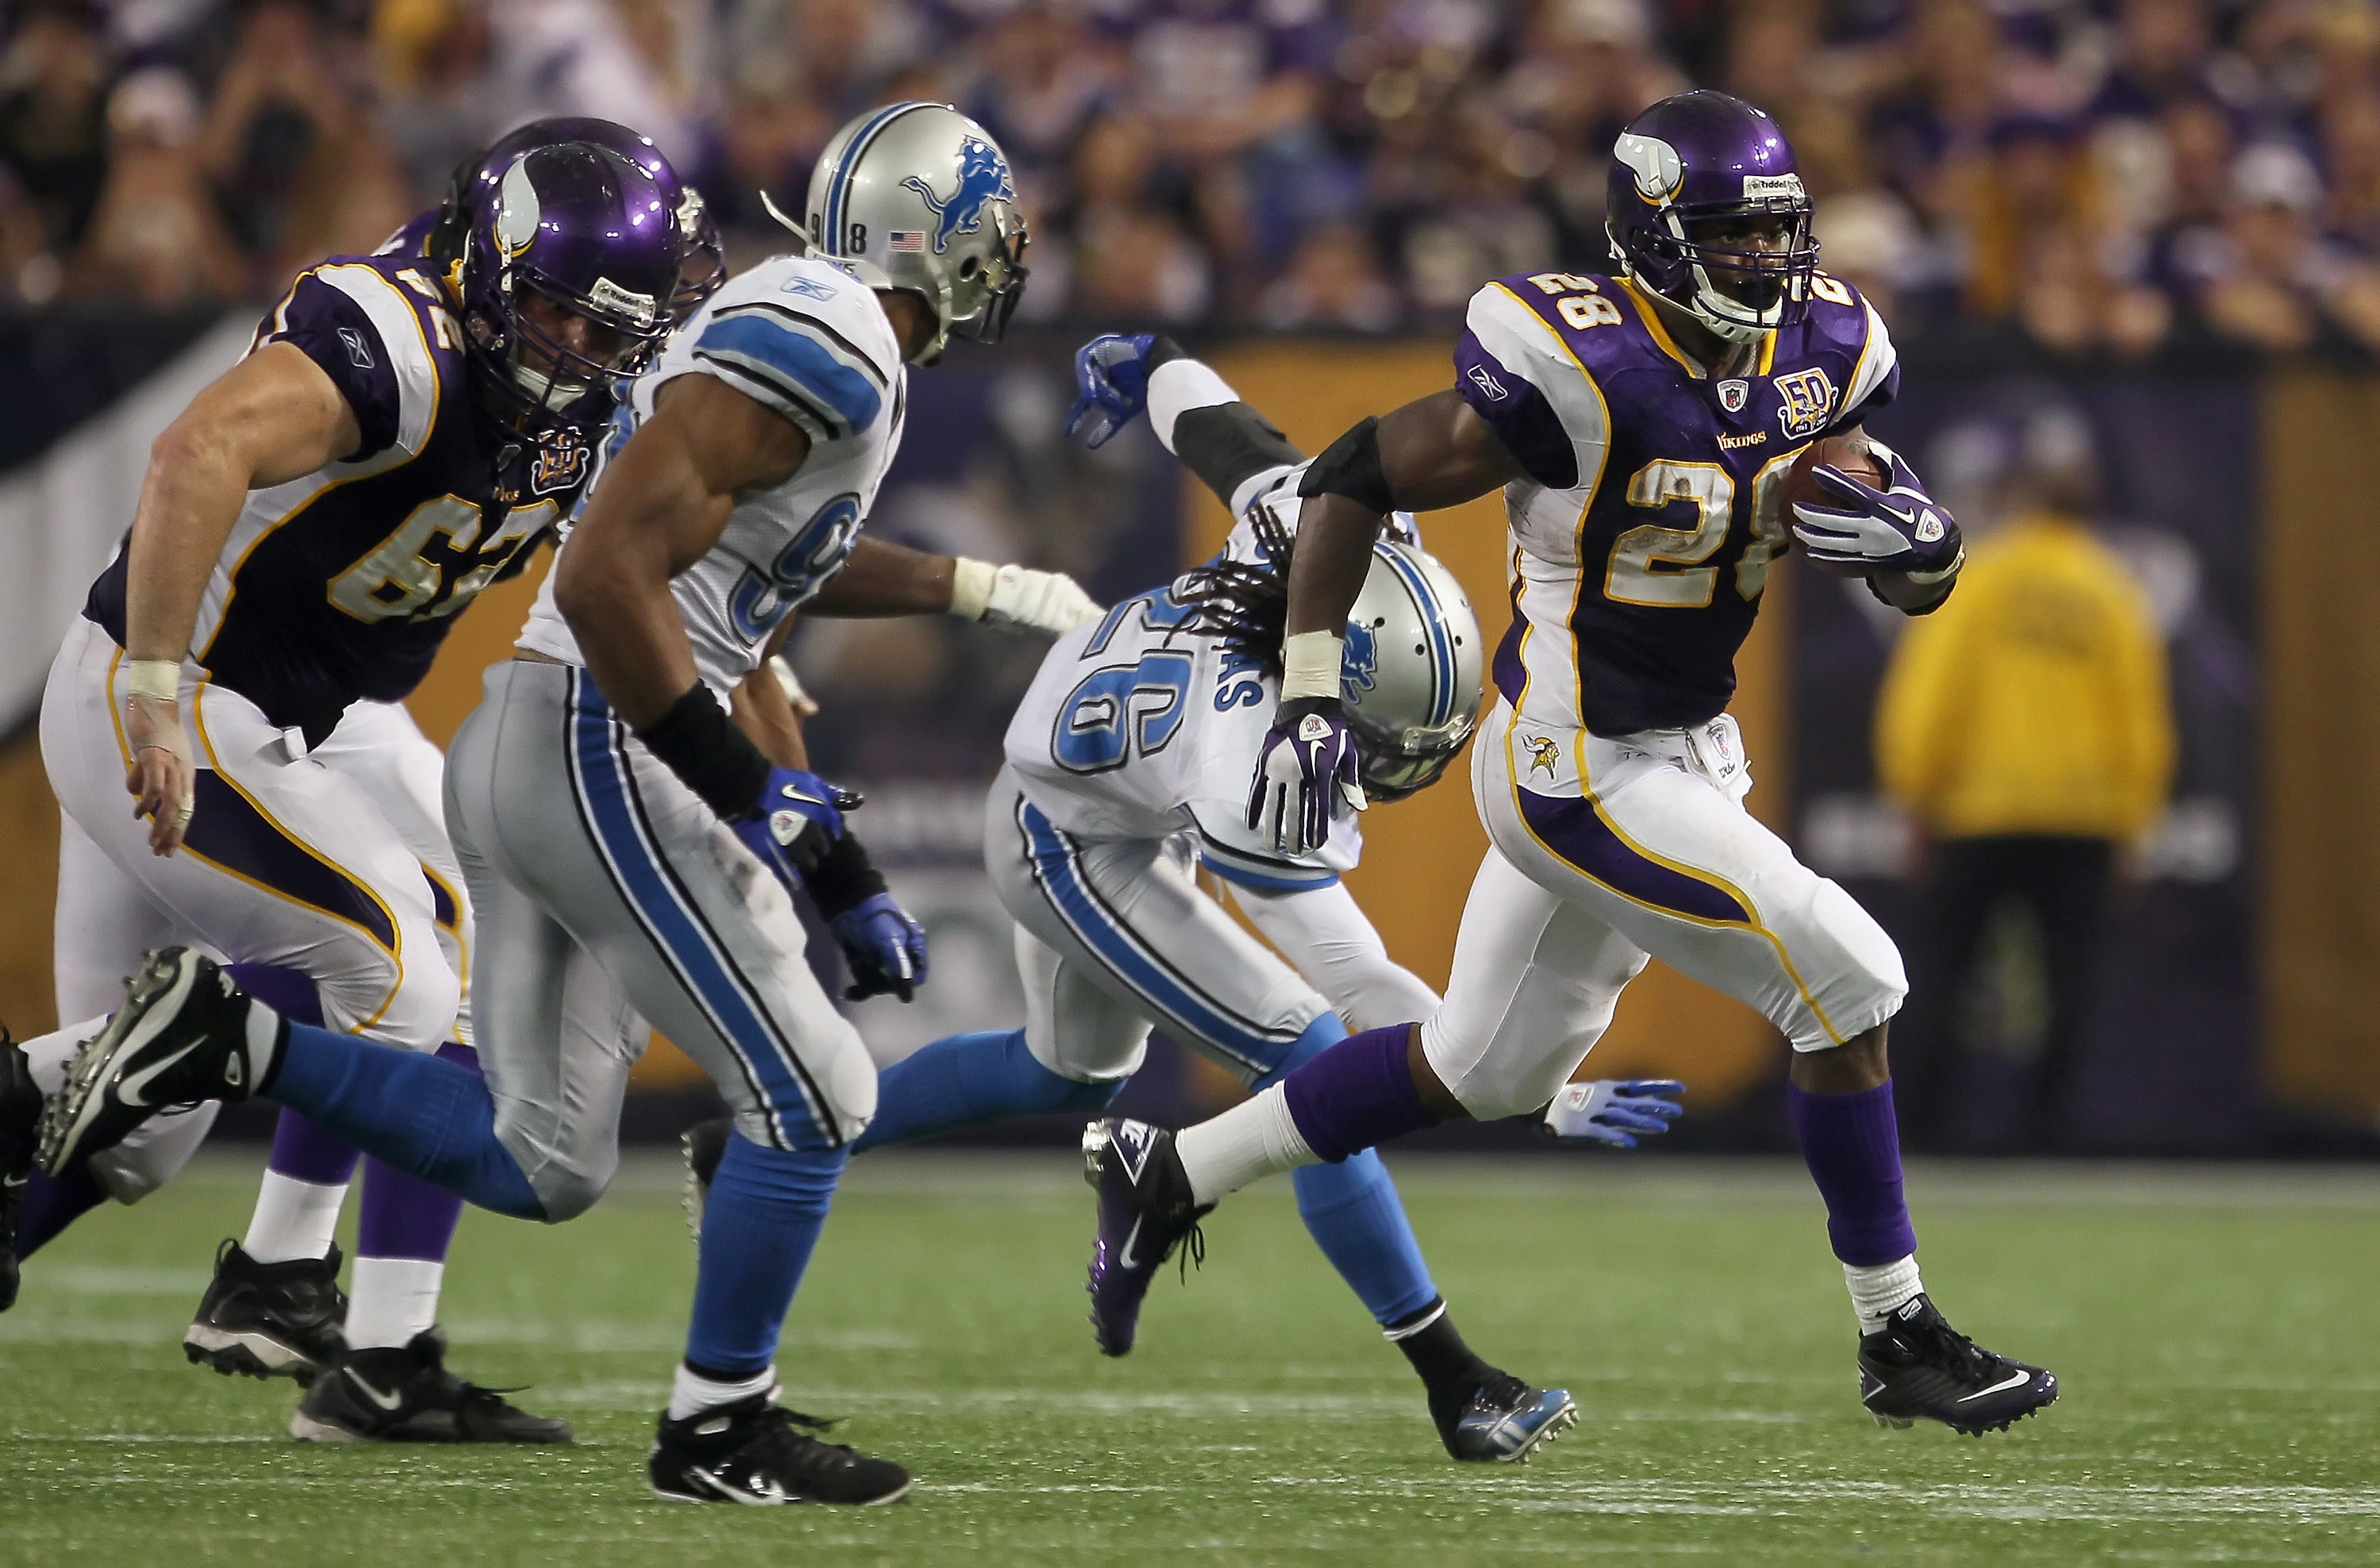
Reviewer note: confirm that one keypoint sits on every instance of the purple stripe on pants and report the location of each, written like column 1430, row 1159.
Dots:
column 1576, row 832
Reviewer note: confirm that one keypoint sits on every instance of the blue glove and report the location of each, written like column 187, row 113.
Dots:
column 797, row 816
column 1612, row 1111
column 1899, row 529
column 885, row 948
column 1113, row 373
column 1306, row 769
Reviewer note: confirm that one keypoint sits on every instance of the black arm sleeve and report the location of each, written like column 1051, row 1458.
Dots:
column 1229, row 444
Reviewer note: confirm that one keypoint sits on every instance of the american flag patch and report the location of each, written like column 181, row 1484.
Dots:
column 906, row 239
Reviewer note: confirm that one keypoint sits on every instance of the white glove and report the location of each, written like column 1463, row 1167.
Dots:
column 1018, row 597
column 1614, row 1111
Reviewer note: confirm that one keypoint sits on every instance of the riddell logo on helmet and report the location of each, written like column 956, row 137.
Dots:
column 609, row 296
column 1764, row 188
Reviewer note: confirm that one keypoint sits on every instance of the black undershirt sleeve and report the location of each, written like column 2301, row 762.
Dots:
column 1228, row 443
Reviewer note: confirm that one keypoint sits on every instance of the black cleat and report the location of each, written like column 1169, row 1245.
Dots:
column 1146, row 1210
column 269, row 1319
column 404, row 1393
column 749, row 1453
column 181, row 1037
column 1498, row 1419
column 20, row 1121
column 704, row 1145
column 1919, row 1365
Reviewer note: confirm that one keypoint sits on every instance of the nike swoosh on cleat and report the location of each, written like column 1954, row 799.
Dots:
column 388, row 1401
column 129, row 1090
column 2011, row 1380
column 1124, row 1258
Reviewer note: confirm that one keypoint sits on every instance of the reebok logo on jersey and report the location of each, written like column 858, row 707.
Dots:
column 808, row 289
column 1494, row 388
column 358, row 351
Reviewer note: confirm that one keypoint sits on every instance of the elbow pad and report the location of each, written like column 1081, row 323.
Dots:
column 1351, row 466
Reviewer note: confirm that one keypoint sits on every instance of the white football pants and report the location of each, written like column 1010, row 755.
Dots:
column 334, row 863
column 1604, row 851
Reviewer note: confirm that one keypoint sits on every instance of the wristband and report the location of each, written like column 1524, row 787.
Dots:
column 702, row 747
column 842, row 879
column 971, row 585
column 158, row 678
column 1309, row 664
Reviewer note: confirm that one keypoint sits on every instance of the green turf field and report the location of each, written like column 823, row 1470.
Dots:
column 2215, row 1331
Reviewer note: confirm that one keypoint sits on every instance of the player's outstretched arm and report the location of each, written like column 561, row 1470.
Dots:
column 269, row 419
column 1431, row 452
column 1194, row 413
column 880, row 579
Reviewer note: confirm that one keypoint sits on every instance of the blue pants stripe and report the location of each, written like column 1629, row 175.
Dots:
column 607, row 799
column 1057, row 868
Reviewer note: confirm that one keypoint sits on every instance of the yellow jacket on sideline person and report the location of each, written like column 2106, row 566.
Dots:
column 2034, row 701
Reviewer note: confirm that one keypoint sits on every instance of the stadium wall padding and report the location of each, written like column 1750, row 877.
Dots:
column 2320, row 924
column 2288, row 548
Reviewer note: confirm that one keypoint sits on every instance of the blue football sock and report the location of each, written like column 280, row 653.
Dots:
column 762, row 1217
column 427, row 1117
column 963, row 1079
column 1351, row 1211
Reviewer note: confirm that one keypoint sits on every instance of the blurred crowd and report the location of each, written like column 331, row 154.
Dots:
column 2091, row 178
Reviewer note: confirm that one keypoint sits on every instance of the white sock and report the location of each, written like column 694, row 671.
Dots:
column 292, row 1219
column 51, row 1052
column 690, row 1391
column 1224, row 1153
column 392, row 1299
column 1879, row 1289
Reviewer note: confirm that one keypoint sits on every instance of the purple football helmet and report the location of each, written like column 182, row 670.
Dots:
column 474, row 180
column 592, row 235
column 1688, row 164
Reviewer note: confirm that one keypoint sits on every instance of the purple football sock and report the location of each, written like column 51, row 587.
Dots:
column 52, row 1203
column 1853, row 1147
column 404, row 1216
column 1357, row 1093
column 301, row 1150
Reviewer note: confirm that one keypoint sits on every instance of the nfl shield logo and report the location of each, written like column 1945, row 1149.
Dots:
column 1731, row 394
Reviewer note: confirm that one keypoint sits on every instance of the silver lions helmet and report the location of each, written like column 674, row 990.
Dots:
column 1409, row 678
column 918, row 196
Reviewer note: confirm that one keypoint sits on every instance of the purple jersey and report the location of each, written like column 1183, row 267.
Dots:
column 341, row 584
column 1641, row 537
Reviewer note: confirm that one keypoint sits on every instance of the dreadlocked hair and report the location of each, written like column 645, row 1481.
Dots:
column 1243, row 604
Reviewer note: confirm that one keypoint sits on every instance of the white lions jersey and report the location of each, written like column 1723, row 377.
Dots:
column 1135, row 728
column 805, row 339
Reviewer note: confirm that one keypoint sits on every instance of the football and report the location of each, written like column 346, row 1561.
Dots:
column 1849, row 453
